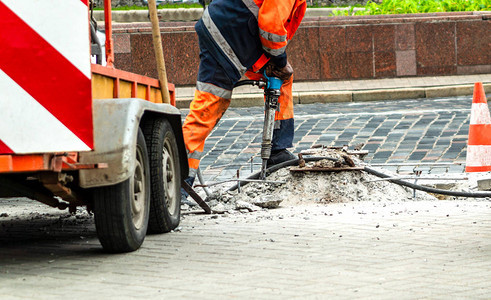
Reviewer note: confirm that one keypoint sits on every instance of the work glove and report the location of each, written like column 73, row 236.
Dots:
column 282, row 73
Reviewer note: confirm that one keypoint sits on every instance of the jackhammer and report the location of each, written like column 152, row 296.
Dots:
column 272, row 87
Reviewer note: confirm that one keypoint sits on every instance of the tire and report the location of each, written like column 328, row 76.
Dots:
column 165, row 180
column 121, row 211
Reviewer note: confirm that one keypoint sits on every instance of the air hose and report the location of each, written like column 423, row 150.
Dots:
column 275, row 168
column 369, row 170
column 258, row 83
column 428, row 189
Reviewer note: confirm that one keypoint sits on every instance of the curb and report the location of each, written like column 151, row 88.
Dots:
column 251, row 100
column 165, row 15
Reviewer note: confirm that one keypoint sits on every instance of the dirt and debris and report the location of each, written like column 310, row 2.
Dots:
column 311, row 187
column 321, row 187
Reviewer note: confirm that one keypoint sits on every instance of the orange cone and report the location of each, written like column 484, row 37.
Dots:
column 479, row 144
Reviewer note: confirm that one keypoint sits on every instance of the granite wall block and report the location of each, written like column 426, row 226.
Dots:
column 435, row 48
column 332, row 52
column 335, row 48
column 360, row 65
column 303, row 53
column 474, row 43
column 404, row 37
column 406, row 63
column 385, row 64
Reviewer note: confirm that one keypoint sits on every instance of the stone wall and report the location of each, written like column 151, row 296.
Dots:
column 341, row 48
column 117, row 3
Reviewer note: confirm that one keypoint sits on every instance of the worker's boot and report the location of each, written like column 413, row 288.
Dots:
column 185, row 195
column 279, row 156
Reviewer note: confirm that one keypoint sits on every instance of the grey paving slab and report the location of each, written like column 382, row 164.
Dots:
column 370, row 250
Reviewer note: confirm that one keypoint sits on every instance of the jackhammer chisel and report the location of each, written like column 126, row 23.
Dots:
column 271, row 93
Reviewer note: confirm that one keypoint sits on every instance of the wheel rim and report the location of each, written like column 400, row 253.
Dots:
column 138, row 191
column 169, row 177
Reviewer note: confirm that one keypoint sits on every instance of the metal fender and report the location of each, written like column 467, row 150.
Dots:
column 116, row 124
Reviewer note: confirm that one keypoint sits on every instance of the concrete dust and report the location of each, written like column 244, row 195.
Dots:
column 313, row 187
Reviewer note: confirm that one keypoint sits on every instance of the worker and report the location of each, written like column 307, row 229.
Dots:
column 236, row 38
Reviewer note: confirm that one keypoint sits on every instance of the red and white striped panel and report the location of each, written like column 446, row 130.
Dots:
column 45, row 78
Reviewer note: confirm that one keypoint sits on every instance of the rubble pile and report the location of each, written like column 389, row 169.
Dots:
column 307, row 187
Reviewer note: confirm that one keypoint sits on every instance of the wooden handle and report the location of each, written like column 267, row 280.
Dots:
column 159, row 53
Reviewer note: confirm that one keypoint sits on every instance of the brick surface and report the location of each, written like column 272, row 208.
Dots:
column 399, row 249
column 421, row 249
column 396, row 132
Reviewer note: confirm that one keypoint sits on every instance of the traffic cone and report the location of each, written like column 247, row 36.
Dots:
column 479, row 144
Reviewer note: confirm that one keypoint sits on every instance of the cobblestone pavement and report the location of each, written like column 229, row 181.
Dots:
column 372, row 250
column 412, row 131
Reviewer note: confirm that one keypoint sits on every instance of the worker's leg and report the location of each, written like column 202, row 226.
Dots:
column 211, row 100
column 284, row 125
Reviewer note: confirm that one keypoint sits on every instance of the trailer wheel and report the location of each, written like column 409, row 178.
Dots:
column 121, row 211
column 165, row 208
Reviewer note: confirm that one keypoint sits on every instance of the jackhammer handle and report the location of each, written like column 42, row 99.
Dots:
column 273, row 83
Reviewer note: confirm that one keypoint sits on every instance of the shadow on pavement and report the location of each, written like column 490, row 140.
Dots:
column 27, row 236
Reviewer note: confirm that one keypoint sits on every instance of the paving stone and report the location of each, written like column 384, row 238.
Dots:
column 354, row 250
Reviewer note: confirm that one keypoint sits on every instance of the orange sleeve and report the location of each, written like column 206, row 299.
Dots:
column 272, row 21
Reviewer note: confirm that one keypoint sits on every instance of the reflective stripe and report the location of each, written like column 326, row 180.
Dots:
column 68, row 35
column 252, row 6
column 480, row 114
column 478, row 156
column 275, row 52
column 192, row 172
column 272, row 37
column 222, row 43
column 214, row 90
column 33, row 127
column 195, row 155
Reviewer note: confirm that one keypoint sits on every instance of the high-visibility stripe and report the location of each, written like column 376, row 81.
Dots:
column 252, row 6
column 480, row 114
column 192, row 172
column 214, row 90
column 480, row 134
column 62, row 89
column 193, row 167
column 195, row 155
column 71, row 41
column 222, row 42
column 275, row 52
column 272, row 37
column 478, row 156
column 35, row 128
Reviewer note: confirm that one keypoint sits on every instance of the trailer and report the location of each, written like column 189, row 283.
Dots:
column 80, row 134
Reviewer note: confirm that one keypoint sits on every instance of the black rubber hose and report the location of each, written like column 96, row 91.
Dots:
column 246, row 82
column 282, row 165
column 376, row 173
column 428, row 189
